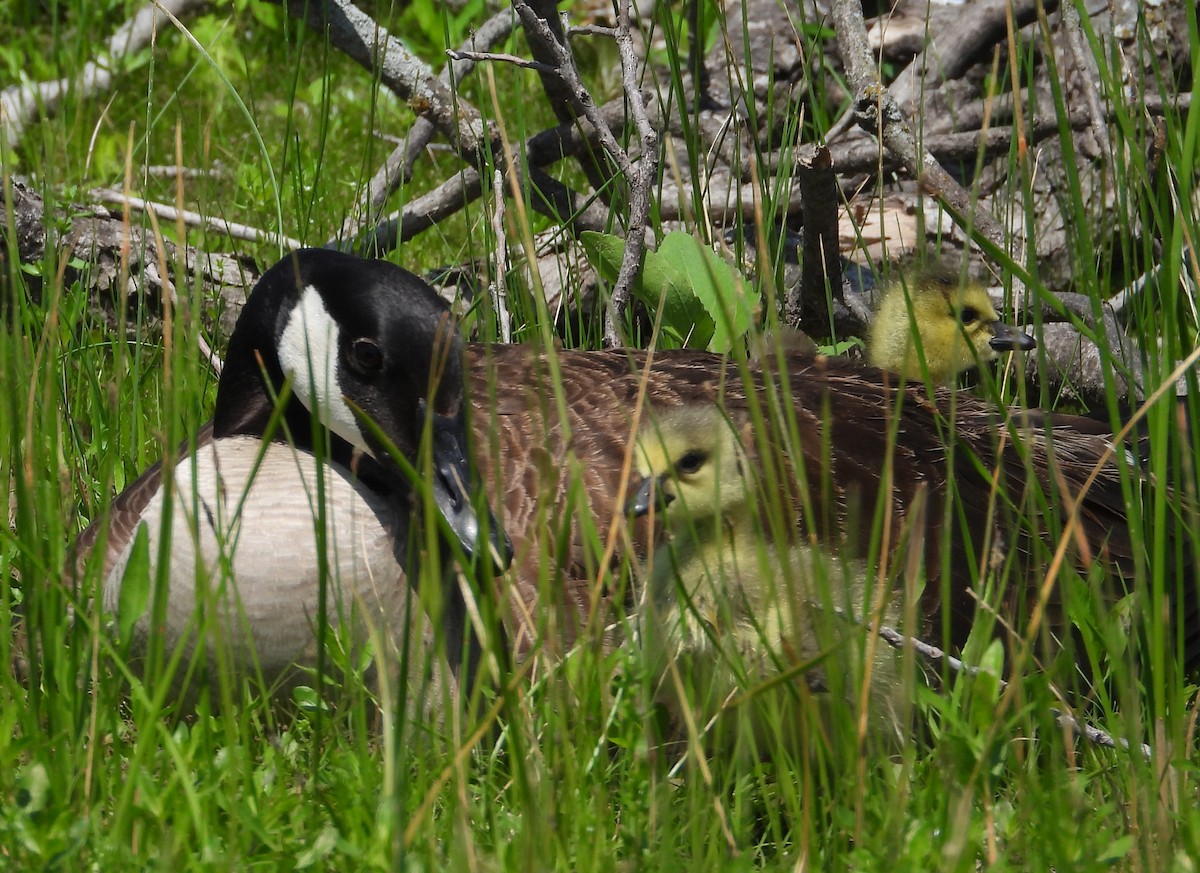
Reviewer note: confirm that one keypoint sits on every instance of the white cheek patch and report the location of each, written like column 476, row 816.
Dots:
column 308, row 353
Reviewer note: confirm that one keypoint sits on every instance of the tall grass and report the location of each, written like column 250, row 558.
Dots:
column 559, row 766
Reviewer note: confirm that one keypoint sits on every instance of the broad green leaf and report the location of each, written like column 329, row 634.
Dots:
column 685, row 319
column 605, row 251
column 1116, row 850
column 727, row 298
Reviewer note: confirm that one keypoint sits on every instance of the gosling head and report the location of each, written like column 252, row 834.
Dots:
column 692, row 466
column 956, row 325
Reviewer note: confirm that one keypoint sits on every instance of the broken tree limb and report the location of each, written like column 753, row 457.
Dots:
column 877, row 112
column 397, row 169
column 21, row 105
column 95, row 242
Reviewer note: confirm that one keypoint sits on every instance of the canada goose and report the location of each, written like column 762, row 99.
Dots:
column 726, row 607
column 952, row 327
column 248, row 537
column 552, row 431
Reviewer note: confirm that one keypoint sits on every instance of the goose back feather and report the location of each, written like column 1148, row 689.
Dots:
column 960, row 479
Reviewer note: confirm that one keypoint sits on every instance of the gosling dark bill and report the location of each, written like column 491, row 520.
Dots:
column 650, row 494
column 1006, row 338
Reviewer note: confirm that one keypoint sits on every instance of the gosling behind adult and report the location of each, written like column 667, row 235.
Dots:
column 951, row 327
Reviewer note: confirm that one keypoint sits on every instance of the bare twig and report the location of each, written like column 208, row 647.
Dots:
column 933, row 654
column 591, row 30
column 351, row 30
column 897, row 640
column 951, row 52
column 569, row 100
column 878, row 113
column 216, row 168
column 425, row 211
column 1086, row 76
column 641, row 176
column 501, row 57
column 109, row 246
column 1131, row 292
column 465, row 187
column 398, row 167
column 861, row 156
column 21, row 104
column 195, row 219
column 639, row 185
column 499, row 286
column 562, row 62
column 363, row 39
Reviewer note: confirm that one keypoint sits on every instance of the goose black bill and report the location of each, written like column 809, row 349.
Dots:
column 1006, row 338
column 452, row 495
column 650, row 495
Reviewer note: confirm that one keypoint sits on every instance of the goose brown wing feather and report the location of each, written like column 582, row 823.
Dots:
column 1067, row 448
column 599, row 391
column 844, row 415
column 530, row 472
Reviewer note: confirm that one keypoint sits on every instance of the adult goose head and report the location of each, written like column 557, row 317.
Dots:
column 278, row 529
column 931, row 323
column 357, row 339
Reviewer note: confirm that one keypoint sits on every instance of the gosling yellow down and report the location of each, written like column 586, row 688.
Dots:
column 731, row 620
column 956, row 327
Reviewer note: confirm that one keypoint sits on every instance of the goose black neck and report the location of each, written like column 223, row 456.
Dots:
column 253, row 383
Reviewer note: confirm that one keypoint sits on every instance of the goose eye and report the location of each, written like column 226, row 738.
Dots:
column 366, row 356
column 691, row 462
column 969, row 315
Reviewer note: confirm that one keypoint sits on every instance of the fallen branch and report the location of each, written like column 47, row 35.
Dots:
column 195, row 219
column 639, row 185
column 364, row 40
column 1086, row 76
column 933, row 654
column 877, row 112
column 21, row 105
column 99, row 241
column 640, row 177
column 498, row 57
column 949, row 54
column 397, row 169
column 566, row 96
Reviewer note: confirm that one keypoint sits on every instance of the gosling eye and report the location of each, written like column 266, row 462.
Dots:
column 365, row 357
column 969, row 315
column 691, row 462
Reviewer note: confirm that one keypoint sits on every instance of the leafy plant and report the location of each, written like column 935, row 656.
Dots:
column 705, row 303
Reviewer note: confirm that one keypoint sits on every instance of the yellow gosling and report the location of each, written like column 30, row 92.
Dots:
column 957, row 327
column 731, row 622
